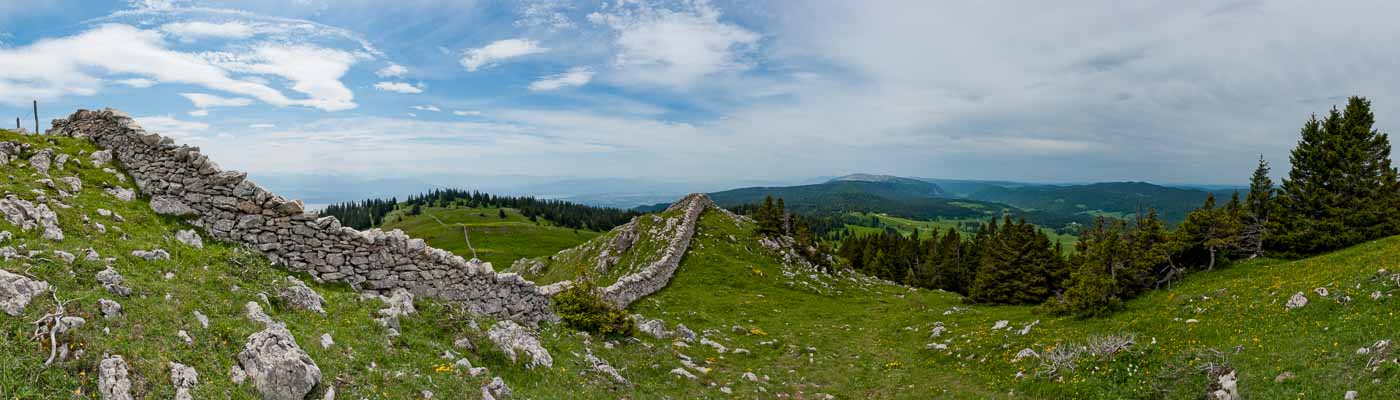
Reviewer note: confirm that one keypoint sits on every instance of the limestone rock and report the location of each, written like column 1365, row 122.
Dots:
column 1001, row 324
column 1227, row 387
column 112, row 380
column 512, row 338
column 41, row 161
column 121, row 193
column 184, row 378
column 112, row 281
column 168, row 205
column 327, row 341
column 602, row 367
column 110, row 309
column 66, row 257
column 1297, row 301
column 301, row 297
column 681, row 372
column 152, row 255
column 16, row 291
column 655, row 328
column 101, row 157
column 1024, row 354
column 279, row 369
column 28, row 216
column 497, row 389
column 190, row 238
column 684, row 334
column 73, row 183
column 1284, row 377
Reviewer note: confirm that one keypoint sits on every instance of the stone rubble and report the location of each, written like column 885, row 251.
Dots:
column 190, row 238
column 28, row 216
column 184, row 378
column 271, row 358
column 110, row 309
column 299, row 296
column 1297, row 301
column 112, row 281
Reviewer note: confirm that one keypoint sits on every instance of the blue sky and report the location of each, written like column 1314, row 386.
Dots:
column 694, row 90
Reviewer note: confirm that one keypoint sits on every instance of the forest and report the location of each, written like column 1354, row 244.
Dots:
column 366, row 214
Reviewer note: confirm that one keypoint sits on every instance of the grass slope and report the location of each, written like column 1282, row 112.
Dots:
column 498, row 241
column 807, row 333
column 965, row 226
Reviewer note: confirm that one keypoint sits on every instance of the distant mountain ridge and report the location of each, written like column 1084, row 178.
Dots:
column 1171, row 203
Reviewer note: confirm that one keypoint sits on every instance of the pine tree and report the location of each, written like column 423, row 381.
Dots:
column 502, row 213
column 1258, row 204
column 1018, row 263
column 1341, row 189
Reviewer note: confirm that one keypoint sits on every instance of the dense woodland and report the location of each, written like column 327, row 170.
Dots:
column 1341, row 190
column 369, row 213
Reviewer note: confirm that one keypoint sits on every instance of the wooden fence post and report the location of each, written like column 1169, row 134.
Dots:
column 36, row 117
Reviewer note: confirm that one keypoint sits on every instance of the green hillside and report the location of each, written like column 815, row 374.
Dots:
column 804, row 333
column 1114, row 199
column 497, row 241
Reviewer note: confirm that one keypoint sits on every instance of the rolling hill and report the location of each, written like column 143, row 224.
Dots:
column 499, row 241
column 1109, row 198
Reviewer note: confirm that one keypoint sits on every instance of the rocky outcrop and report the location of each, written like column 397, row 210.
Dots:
column 271, row 358
column 229, row 207
column 113, row 282
column 16, row 291
column 184, row 378
column 655, row 276
column 512, row 338
column 28, row 216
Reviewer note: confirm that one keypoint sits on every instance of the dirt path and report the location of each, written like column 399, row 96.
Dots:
column 465, row 236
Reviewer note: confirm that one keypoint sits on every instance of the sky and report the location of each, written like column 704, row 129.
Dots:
column 697, row 90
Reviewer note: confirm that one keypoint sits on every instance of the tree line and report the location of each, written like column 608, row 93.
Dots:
column 1341, row 190
column 369, row 213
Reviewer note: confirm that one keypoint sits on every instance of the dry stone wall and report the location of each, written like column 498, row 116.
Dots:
column 655, row 276
column 181, row 181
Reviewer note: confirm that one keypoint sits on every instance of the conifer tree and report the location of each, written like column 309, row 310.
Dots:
column 1258, row 204
column 1341, row 189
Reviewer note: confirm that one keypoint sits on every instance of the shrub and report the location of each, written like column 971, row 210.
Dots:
column 580, row 308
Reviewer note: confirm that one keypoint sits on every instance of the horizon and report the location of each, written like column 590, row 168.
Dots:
column 704, row 92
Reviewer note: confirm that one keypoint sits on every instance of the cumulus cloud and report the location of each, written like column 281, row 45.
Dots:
column 577, row 76
column 399, row 87
column 427, row 108
column 70, row 65
column 391, row 71
column 194, row 30
column 174, row 128
column 464, row 113
column 499, row 51
column 674, row 47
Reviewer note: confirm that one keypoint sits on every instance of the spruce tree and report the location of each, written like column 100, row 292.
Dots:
column 1341, row 189
column 1258, row 204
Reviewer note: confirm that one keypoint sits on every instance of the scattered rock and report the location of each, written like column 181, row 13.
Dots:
column 27, row 216
column 464, row 343
column 602, row 367
column 1002, row 324
column 400, row 304
column 1027, row 329
column 16, row 291
column 681, row 372
column 279, row 369
column 655, row 328
column 167, row 205
column 110, row 309
column 1297, row 301
column 1322, row 291
column 203, row 320
column 301, row 297
column 66, row 257
column 41, row 161
column 1284, row 377
column 112, row 380
column 719, row 348
column 738, row 329
column 185, row 336
column 73, row 183
column 190, row 238
column 749, row 376
column 684, row 333
column 237, row 375
column 497, row 389
column 152, row 255
column 1350, row 395
column 1227, row 387
column 511, row 337
column 327, row 341
column 184, row 378
column 101, row 157
column 112, row 281
column 121, row 193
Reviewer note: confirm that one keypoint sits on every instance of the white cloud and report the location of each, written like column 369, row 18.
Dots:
column 399, row 87
column 427, row 108
column 173, row 128
column 54, row 68
column 136, row 82
column 577, row 76
column 262, row 126
column 204, row 100
column 199, row 113
column 499, row 51
column 464, row 113
column 659, row 46
column 391, row 71
column 190, row 31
